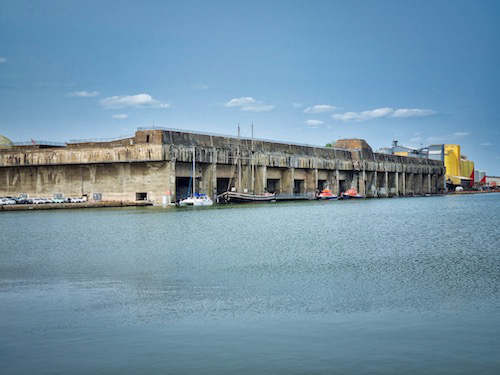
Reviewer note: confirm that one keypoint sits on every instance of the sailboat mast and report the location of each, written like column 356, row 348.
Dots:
column 194, row 171
column 239, row 160
column 252, row 166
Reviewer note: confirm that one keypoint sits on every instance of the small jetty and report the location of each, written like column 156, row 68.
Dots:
column 55, row 206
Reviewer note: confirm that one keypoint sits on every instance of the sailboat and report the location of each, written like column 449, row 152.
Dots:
column 196, row 199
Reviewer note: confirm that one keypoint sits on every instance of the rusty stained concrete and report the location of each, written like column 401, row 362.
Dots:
column 153, row 160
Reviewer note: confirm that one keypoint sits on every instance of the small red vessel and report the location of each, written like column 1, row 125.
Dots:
column 351, row 194
column 326, row 194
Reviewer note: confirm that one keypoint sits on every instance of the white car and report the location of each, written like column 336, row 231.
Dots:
column 38, row 200
column 58, row 200
column 6, row 201
column 76, row 200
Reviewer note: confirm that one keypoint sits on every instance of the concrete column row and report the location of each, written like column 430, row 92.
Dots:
column 254, row 179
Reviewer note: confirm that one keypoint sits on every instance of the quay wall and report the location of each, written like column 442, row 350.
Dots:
column 158, row 163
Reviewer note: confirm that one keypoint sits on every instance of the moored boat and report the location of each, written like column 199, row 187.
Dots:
column 233, row 196
column 197, row 200
column 351, row 194
column 326, row 194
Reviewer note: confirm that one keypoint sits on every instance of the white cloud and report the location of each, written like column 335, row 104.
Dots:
column 135, row 101
column 120, row 116
column 84, row 94
column 297, row 105
column 486, row 144
column 412, row 112
column 460, row 134
column 314, row 122
column 249, row 104
column 258, row 108
column 239, row 102
column 365, row 115
column 383, row 112
column 2, row 60
column 320, row 108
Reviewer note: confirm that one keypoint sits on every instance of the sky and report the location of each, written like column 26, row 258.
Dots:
column 421, row 72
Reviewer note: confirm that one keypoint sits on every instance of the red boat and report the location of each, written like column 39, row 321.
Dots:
column 326, row 194
column 351, row 194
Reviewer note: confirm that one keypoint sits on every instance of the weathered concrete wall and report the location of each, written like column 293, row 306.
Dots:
column 117, row 181
column 152, row 161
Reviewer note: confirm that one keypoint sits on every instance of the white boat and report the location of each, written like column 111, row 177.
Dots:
column 195, row 199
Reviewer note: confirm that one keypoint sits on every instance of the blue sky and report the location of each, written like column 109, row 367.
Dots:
column 305, row 71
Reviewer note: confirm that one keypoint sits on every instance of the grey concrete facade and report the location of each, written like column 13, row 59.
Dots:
column 159, row 162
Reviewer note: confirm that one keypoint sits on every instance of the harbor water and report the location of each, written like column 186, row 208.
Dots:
column 380, row 286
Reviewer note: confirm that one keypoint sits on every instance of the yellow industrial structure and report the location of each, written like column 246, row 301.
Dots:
column 459, row 170
column 466, row 168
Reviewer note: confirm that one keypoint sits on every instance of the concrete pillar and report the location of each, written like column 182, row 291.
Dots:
column 170, row 183
column 429, row 186
column 396, row 182
column 287, row 181
column 260, row 179
column 239, row 175
column 246, row 183
column 355, row 180
column 404, row 183
column 362, row 182
column 386, row 183
column 337, row 182
column 374, row 185
column 311, row 182
column 214, row 175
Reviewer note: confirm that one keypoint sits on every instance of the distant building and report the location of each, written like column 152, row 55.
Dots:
column 492, row 181
column 399, row 150
column 479, row 176
column 459, row 170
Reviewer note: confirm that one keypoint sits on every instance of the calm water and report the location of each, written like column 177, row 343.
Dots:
column 389, row 286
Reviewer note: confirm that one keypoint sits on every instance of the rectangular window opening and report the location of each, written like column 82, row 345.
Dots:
column 141, row 196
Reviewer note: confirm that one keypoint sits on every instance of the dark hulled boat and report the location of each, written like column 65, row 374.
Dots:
column 233, row 196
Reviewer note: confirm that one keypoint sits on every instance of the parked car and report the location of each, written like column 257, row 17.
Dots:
column 6, row 201
column 76, row 200
column 38, row 201
column 22, row 200
column 58, row 200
